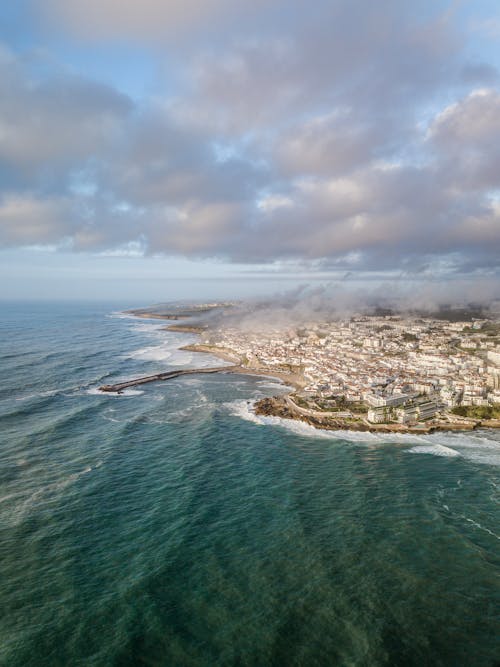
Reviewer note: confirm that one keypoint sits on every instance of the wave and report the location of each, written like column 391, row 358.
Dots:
column 483, row 447
column 119, row 315
column 39, row 394
column 271, row 384
column 108, row 418
column 18, row 512
column 150, row 353
column 27, row 410
column 149, row 327
column 477, row 448
column 170, row 353
column 476, row 524
column 437, row 450
column 244, row 410
column 68, row 391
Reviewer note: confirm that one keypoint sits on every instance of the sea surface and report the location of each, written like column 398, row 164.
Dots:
column 171, row 526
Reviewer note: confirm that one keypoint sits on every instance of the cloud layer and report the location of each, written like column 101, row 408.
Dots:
column 360, row 136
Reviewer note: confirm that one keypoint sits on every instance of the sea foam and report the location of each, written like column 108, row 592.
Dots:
column 481, row 448
column 126, row 393
column 437, row 450
column 244, row 410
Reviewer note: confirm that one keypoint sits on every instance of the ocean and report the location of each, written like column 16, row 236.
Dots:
column 171, row 526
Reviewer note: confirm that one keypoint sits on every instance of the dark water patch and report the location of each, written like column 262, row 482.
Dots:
column 37, row 405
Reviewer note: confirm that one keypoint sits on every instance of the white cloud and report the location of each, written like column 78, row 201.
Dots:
column 270, row 203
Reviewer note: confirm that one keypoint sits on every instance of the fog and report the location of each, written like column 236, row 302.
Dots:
column 333, row 301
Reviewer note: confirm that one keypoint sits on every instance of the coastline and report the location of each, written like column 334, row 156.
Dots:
column 152, row 316
column 284, row 408
column 222, row 353
column 293, row 380
column 184, row 328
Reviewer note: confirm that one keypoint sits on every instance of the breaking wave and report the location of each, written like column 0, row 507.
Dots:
column 478, row 448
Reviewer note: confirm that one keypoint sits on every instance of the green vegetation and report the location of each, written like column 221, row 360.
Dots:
column 343, row 404
column 325, row 407
column 409, row 337
column 491, row 328
column 301, row 402
column 478, row 411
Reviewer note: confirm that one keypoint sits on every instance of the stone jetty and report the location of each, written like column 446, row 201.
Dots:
column 120, row 386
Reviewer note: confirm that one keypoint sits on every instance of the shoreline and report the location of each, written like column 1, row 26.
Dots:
column 291, row 379
column 184, row 328
column 284, row 408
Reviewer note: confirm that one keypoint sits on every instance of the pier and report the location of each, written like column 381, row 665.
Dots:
column 120, row 386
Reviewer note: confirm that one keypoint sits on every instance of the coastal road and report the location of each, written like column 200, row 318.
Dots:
column 308, row 412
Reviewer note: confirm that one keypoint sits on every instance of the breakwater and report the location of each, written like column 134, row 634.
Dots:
column 169, row 375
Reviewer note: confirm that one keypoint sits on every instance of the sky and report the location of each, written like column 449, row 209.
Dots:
column 161, row 149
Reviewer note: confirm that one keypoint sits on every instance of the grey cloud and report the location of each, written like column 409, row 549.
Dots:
column 467, row 137
column 199, row 228
column 479, row 74
column 372, row 56
column 328, row 157
column 331, row 144
column 381, row 216
column 30, row 220
column 50, row 123
column 143, row 19
column 163, row 162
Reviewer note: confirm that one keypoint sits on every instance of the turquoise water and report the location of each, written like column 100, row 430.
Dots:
column 170, row 526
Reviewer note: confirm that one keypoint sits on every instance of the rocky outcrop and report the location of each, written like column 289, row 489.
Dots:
column 282, row 406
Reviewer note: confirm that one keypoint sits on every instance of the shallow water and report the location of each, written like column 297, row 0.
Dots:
column 171, row 526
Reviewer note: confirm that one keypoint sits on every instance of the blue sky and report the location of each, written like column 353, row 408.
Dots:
column 222, row 149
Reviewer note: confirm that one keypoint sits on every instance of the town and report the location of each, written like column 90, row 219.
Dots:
column 385, row 369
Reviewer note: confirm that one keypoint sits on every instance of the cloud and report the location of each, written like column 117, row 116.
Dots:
column 199, row 228
column 331, row 144
column 358, row 136
column 142, row 19
column 164, row 162
column 466, row 135
column 28, row 220
column 53, row 117
column 49, row 123
column 373, row 60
